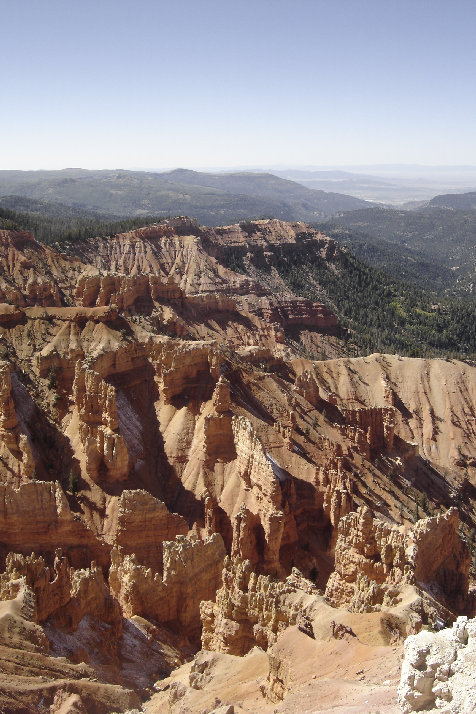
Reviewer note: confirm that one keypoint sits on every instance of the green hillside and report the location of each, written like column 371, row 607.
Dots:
column 435, row 247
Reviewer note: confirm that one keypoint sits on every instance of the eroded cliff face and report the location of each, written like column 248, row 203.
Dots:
column 373, row 559
column 173, row 474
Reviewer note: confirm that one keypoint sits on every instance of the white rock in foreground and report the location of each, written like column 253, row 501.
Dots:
column 439, row 670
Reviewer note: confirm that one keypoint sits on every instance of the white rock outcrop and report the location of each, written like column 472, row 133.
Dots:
column 439, row 670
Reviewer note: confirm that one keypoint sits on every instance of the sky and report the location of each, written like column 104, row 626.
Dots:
column 208, row 83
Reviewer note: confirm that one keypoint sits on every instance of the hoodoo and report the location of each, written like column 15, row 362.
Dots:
column 198, row 512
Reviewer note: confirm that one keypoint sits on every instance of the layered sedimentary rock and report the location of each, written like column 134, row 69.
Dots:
column 425, row 394
column 188, row 368
column 155, row 417
column 32, row 273
column 338, row 485
column 37, row 517
column 372, row 428
column 105, row 447
column 126, row 292
column 139, row 524
column 372, row 557
column 295, row 312
column 257, row 472
column 250, row 610
column 16, row 449
column 191, row 573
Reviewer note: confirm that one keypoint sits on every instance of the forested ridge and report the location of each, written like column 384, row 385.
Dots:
column 432, row 246
column 381, row 313
column 57, row 224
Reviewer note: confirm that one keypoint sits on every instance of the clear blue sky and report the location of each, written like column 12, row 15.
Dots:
column 116, row 83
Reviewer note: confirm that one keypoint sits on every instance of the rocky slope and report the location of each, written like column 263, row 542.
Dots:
column 176, row 479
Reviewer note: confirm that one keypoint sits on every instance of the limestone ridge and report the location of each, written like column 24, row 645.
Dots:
column 173, row 475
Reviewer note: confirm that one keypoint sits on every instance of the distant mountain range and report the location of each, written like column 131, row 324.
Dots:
column 213, row 199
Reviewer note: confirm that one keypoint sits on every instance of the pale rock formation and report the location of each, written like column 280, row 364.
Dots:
column 8, row 416
column 251, row 609
column 15, row 447
column 233, row 454
column 221, row 396
column 217, row 428
column 60, row 592
column 90, row 595
column 377, row 424
column 184, row 369
column 428, row 392
column 128, row 293
column 306, row 385
column 439, row 557
column 439, row 670
column 365, row 546
column 338, row 488
column 37, row 517
column 139, row 524
column 372, row 557
column 104, row 446
column 257, row 472
column 246, row 527
column 296, row 311
column 51, row 586
column 192, row 573
column 26, row 264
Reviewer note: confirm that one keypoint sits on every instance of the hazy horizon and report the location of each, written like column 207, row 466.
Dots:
column 357, row 168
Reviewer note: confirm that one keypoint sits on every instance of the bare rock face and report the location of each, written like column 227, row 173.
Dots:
column 139, row 524
column 439, row 670
column 16, row 449
column 185, row 369
column 37, row 517
column 105, row 447
column 8, row 416
column 26, row 269
column 50, row 586
column 257, row 472
column 192, row 573
column 372, row 557
column 441, row 558
column 365, row 547
column 373, row 429
column 246, row 526
column 250, row 610
column 423, row 393
column 60, row 592
column 338, row 487
column 221, row 396
column 128, row 293
column 296, row 312
column 307, row 386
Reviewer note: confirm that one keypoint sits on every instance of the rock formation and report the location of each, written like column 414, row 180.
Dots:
column 251, row 610
column 438, row 671
column 191, row 573
column 173, row 470
column 104, row 446
column 372, row 558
